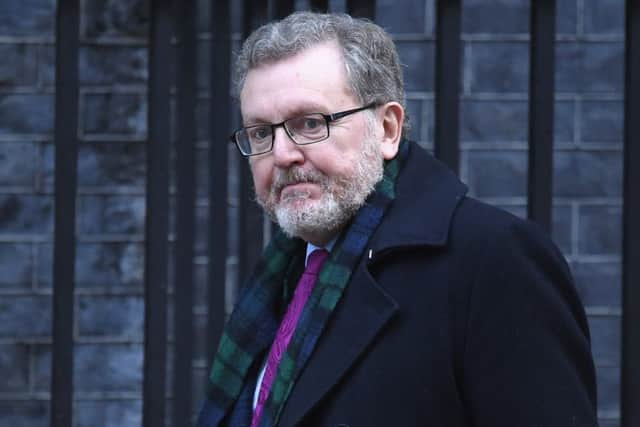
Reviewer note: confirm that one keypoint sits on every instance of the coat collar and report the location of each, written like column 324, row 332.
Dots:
column 424, row 184
column 428, row 186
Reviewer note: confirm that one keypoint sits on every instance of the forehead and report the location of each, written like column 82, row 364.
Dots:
column 313, row 80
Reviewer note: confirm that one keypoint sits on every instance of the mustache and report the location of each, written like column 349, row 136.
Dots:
column 297, row 175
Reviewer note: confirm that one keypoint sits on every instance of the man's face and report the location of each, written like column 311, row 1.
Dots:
column 311, row 191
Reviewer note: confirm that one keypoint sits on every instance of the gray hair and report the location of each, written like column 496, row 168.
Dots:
column 373, row 69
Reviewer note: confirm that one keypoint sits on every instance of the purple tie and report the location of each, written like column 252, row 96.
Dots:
column 288, row 326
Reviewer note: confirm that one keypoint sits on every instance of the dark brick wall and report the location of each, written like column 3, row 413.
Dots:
column 109, row 300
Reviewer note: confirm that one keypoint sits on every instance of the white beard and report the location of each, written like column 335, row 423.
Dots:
column 342, row 196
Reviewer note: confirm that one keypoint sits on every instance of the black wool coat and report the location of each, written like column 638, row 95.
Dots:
column 458, row 314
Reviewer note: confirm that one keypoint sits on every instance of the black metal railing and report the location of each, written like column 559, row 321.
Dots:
column 66, row 177
column 630, row 375
column 164, row 20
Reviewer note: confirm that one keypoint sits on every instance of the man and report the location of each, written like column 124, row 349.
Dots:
column 429, row 308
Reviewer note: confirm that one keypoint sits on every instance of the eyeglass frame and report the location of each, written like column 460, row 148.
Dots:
column 328, row 118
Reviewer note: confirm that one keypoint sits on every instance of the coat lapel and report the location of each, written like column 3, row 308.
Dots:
column 364, row 310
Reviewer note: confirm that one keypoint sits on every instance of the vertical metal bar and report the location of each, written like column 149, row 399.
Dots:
column 630, row 374
column 447, row 84
column 157, row 215
column 362, row 8
column 220, row 115
column 185, row 212
column 251, row 219
column 320, row 5
column 541, row 97
column 283, row 8
column 66, row 172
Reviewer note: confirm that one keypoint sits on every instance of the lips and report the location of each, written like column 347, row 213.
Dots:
column 297, row 190
column 297, row 183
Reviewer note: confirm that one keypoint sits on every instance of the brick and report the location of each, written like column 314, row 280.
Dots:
column 201, row 341
column 102, row 164
column 510, row 182
column 14, row 368
column 44, row 267
column 604, row 17
column 203, row 131
column 410, row 18
column 99, row 265
column 566, row 17
column 109, row 65
column 18, row 163
column 97, row 367
column 428, row 117
column 497, row 67
column 41, row 374
column 27, row 18
column 414, row 115
column 589, row 67
column 203, row 71
column 45, row 177
column 25, row 214
column 587, row 174
column 16, row 265
column 32, row 413
column 25, row 316
column 201, row 282
column 608, row 379
column 111, row 215
column 110, row 265
column 600, row 230
column 115, row 19
column 563, row 122
column 561, row 227
column 109, row 413
column 26, row 114
column 18, row 66
column 112, row 164
column 46, row 64
column 419, row 56
column 202, row 230
column 602, row 121
column 204, row 15
column 493, row 121
column 479, row 16
column 108, row 367
column 202, row 172
column 111, row 316
column 599, row 283
column 605, row 340
column 508, row 121
column 233, row 221
column 115, row 114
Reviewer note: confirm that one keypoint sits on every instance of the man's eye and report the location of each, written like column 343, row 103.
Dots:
column 311, row 123
column 259, row 133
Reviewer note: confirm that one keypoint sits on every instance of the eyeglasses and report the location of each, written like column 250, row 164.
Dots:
column 303, row 130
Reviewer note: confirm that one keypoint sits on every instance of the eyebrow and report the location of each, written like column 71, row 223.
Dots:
column 300, row 110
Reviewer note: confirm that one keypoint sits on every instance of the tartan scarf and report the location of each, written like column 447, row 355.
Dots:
column 253, row 324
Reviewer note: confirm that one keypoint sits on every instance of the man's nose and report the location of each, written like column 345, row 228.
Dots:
column 286, row 153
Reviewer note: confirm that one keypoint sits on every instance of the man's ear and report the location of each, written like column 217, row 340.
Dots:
column 392, row 116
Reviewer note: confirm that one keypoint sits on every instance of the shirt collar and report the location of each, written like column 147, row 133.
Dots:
column 311, row 247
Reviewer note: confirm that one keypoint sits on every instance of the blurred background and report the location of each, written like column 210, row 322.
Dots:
column 116, row 59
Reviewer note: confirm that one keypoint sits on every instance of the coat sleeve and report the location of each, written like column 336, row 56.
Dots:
column 527, row 358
